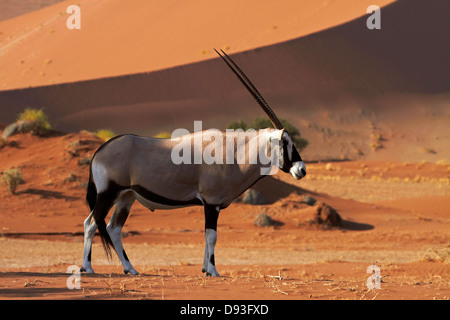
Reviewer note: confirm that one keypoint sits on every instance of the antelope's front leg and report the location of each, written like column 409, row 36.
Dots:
column 211, row 216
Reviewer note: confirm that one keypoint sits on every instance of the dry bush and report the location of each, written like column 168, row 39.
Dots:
column 36, row 116
column 30, row 121
column 11, row 179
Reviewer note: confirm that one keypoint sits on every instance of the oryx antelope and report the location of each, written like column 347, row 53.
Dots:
column 130, row 167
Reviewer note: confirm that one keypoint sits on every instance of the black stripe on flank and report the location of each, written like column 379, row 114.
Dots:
column 153, row 197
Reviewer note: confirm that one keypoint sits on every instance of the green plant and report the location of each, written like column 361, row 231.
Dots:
column 105, row 134
column 12, row 178
column 164, row 135
column 36, row 116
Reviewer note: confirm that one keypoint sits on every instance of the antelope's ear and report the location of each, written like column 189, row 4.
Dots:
column 276, row 135
column 280, row 134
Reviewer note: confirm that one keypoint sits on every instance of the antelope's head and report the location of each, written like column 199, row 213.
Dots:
column 289, row 159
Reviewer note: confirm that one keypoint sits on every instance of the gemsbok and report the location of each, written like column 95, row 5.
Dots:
column 129, row 167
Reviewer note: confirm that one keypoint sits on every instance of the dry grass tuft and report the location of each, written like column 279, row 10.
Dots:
column 11, row 179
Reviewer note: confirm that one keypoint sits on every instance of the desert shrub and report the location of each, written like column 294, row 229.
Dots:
column 163, row 135
column 262, row 123
column 29, row 121
column 105, row 134
column 11, row 179
column 36, row 116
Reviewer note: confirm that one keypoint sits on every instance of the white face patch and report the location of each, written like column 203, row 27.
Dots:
column 290, row 145
column 298, row 170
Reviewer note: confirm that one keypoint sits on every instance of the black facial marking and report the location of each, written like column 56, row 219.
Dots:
column 303, row 172
column 286, row 162
column 295, row 157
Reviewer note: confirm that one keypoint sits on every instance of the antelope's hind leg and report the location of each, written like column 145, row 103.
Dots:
column 114, row 228
column 89, row 231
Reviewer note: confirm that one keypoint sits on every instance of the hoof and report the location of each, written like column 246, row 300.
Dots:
column 132, row 272
column 87, row 270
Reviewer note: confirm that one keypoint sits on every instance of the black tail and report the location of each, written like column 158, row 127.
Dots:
column 106, row 239
column 100, row 212
column 91, row 195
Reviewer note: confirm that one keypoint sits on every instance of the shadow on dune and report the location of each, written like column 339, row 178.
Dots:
column 407, row 56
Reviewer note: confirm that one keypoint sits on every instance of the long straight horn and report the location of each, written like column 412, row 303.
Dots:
column 252, row 89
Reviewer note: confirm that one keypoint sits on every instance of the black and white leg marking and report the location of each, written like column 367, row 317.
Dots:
column 211, row 217
column 114, row 228
column 89, row 231
column 103, row 204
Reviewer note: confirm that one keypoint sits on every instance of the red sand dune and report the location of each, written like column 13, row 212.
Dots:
column 343, row 87
column 122, row 37
column 13, row 8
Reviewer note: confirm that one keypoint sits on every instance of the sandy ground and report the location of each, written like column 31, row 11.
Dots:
column 395, row 216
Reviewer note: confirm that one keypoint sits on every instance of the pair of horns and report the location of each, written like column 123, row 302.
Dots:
column 251, row 88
